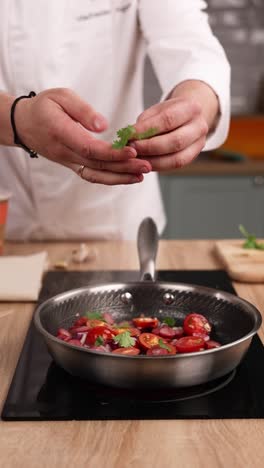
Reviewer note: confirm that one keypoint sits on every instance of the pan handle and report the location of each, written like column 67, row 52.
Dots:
column 147, row 243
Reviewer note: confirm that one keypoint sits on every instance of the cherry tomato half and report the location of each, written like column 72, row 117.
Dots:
column 127, row 351
column 80, row 322
column 145, row 322
column 131, row 330
column 190, row 344
column 148, row 340
column 196, row 323
column 211, row 344
column 95, row 332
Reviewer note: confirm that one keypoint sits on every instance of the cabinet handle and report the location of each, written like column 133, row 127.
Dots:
column 259, row 180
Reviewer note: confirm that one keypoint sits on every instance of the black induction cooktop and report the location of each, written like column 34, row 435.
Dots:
column 41, row 390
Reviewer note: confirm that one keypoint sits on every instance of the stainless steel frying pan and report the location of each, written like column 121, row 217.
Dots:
column 234, row 321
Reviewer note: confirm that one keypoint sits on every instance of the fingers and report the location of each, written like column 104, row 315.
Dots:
column 132, row 166
column 174, row 141
column 79, row 110
column 76, row 138
column 178, row 160
column 174, row 114
column 108, row 178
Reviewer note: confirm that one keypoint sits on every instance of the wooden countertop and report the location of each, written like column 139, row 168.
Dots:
column 206, row 167
column 122, row 444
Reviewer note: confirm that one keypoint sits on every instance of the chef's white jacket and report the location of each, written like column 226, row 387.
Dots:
column 97, row 48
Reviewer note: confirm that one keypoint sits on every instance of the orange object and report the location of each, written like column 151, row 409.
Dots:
column 246, row 136
column 3, row 217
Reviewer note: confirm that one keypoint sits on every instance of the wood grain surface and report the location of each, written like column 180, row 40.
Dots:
column 246, row 265
column 123, row 444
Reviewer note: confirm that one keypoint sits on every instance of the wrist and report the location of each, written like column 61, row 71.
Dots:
column 204, row 95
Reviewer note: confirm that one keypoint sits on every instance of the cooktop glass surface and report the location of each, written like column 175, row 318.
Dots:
column 41, row 390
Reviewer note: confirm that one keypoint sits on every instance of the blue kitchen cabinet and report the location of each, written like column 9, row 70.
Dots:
column 209, row 207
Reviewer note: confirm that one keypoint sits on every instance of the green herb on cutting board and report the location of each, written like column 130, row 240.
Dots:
column 251, row 241
column 129, row 133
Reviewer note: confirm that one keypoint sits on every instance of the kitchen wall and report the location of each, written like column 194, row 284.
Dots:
column 239, row 25
column 212, row 206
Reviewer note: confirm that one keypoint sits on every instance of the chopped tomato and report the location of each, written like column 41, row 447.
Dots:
column 95, row 323
column 82, row 329
column 127, row 351
column 211, row 344
column 196, row 323
column 190, row 344
column 148, row 340
column 80, row 322
column 131, row 330
column 145, row 322
column 97, row 332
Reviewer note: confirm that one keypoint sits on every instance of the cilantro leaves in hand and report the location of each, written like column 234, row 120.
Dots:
column 251, row 240
column 124, row 340
column 127, row 133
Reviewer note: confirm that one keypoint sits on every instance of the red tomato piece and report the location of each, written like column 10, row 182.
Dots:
column 133, row 331
column 95, row 332
column 82, row 329
column 127, row 351
column 196, row 323
column 80, row 322
column 190, row 344
column 96, row 323
column 211, row 344
column 148, row 340
column 145, row 322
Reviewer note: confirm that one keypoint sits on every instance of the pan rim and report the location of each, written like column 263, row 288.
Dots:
column 218, row 294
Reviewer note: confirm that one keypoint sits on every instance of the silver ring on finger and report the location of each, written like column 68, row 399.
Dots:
column 80, row 171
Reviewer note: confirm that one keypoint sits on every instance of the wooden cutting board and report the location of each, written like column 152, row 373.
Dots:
column 243, row 265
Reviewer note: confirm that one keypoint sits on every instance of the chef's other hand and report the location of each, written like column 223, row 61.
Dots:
column 182, row 122
column 58, row 124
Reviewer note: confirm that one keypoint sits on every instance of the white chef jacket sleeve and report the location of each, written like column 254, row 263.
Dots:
column 181, row 46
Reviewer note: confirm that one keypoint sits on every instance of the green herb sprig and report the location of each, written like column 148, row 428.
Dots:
column 124, row 340
column 251, row 240
column 163, row 345
column 95, row 316
column 170, row 321
column 128, row 133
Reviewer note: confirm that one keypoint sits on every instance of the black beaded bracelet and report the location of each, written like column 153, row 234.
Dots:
column 17, row 140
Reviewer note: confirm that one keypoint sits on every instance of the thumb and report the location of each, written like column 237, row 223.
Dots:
column 80, row 111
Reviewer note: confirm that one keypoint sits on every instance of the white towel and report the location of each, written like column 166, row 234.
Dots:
column 21, row 277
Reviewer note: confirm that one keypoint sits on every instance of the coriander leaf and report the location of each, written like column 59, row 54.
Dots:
column 99, row 341
column 124, row 135
column 163, row 345
column 127, row 133
column 124, row 340
column 94, row 316
column 170, row 321
column 147, row 134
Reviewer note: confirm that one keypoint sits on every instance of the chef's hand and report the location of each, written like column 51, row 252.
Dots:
column 183, row 122
column 58, row 124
